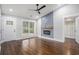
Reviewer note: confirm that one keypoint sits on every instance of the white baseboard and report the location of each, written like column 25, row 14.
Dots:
column 47, row 38
column 51, row 39
column 59, row 40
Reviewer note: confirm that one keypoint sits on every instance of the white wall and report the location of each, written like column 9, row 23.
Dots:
column 38, row 25
column 58, row 18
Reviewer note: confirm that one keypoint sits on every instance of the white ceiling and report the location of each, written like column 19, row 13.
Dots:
column 23, row 10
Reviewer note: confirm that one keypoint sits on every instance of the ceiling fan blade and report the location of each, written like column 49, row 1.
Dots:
column 42, row 7
column 38, row 12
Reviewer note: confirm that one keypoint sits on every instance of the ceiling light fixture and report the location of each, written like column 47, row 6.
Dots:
column 10, row 10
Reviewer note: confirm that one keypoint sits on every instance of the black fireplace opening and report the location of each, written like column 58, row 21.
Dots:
column 46, row 32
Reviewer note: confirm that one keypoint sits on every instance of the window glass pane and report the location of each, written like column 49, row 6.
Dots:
column 28, row 27
column 25, row 27
column 9, row 22
column 31, row 27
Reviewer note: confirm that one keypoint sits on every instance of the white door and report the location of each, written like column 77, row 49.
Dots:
column 70, row 30
column 9, row 28
column 70, row 27
column 77, row 29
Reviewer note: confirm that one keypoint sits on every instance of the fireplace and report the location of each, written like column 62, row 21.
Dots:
column 46, row 32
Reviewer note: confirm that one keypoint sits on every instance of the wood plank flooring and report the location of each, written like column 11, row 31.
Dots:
column 71, row 47
column 39, row 46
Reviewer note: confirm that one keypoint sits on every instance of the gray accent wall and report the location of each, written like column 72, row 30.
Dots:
column 46, row 21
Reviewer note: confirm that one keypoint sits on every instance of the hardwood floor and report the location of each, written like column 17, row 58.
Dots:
column 71, row 47
column 39, row 46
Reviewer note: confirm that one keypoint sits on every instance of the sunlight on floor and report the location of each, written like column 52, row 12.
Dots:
column 25, row 44
column 68, row 52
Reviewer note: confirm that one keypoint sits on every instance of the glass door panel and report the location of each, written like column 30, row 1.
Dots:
column 31, row 30
column 25, row 27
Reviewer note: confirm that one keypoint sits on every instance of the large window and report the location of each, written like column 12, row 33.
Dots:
column 25, row 27
column 9, row 22
column 28, row 27
column 31, row 27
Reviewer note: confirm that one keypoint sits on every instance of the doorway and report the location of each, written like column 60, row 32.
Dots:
column 77, row 29
column 70, row 28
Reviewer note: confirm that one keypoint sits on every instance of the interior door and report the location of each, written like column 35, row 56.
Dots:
column 70, row 28
column 77, row 29
column 9, row 28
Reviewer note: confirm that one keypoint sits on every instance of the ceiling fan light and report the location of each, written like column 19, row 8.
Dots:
column 10, row 10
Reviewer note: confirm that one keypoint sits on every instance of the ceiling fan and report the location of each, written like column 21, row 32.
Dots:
column 38, row 9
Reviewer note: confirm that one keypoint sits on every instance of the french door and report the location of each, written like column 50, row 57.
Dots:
column 28, row 29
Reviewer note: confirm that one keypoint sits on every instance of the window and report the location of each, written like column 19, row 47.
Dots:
column 28, row 27
column 31, row 27
column 9, row 22
column 25, row 27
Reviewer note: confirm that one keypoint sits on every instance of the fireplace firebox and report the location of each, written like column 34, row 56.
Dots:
column 46, row 32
